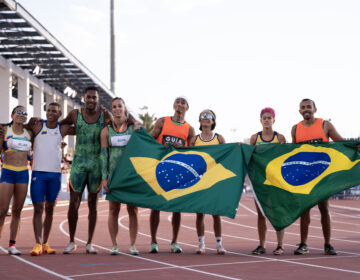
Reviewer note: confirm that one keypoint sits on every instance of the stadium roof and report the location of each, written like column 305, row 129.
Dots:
column 27, row 44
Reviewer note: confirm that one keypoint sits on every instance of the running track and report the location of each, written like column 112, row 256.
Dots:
column 239, row 238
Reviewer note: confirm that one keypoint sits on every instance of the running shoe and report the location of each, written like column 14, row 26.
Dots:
column 133, row 251
column 278, row 251
column 220, row 250
column 13, row 251
column 90, row 249
column 154, row 248
column 37, row 250
column 175, row 248
column 329, row 250
column 47, row 249
column 259, row 250
column 70, row 248
column 302, row 249
column 201, row 249
column 114, row 251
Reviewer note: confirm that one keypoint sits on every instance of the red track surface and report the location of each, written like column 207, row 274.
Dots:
column 239, row 238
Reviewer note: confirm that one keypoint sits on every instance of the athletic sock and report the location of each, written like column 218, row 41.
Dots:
column 202, row 239
column 12, row 243
column 218, row 240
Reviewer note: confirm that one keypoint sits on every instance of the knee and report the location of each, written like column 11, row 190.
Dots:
column 324, row 210
column 49, row 209
column 3, row 212
column 114, row 209
column 132, row 210
column 16, row 212
column 38, row 210
column 200, row 217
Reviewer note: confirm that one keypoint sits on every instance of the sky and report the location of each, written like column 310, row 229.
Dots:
column 232, row 56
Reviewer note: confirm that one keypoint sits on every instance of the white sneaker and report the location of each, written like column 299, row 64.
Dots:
column 13, row 251
column 114, row 251
column 220, row 250
column 201, row 249
column 70, row 248
column 90, row 249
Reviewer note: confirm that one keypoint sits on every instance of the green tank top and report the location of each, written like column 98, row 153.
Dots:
column 117, row 143
column 88, row 136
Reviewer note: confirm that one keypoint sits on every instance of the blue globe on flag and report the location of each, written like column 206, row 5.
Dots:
column 180, row 171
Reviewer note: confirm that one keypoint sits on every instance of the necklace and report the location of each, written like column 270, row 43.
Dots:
column 121, row 127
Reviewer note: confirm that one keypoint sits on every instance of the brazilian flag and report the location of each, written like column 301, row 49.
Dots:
column 204, row 179
column 289, row 179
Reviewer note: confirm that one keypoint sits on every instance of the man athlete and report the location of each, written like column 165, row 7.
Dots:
column 177, row 132
column 46, row 173
column 86, row 166
column 314, row 130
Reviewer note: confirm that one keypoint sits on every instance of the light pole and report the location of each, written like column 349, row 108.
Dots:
column 112, row 47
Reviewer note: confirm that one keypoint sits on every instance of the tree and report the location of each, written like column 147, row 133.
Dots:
column 147, row 119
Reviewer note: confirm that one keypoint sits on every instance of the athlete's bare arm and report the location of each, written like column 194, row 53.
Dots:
column 34, row 125
column 158, row 126
column 104, row 136
column 70, row 118
column 108, row 117
column 253, row 139
column 281, row 138
column 66, row 129
column 2, row 135
column 191, row 136
column 331, row 132
column 221, row 139
column 293, row 134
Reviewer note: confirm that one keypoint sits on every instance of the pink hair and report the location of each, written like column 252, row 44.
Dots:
column 268, row 110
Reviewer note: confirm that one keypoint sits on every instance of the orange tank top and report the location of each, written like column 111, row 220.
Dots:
column 314, row 133
column 172, row 133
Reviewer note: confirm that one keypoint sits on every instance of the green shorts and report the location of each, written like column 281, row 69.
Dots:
column 85, row 171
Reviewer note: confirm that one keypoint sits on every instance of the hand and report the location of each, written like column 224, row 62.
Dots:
column 104, row 184
column 177, row 145
column 34, row 121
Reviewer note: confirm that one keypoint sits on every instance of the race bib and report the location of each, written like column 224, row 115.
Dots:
column 19, row 144
column 173, row 139
column 120, row 140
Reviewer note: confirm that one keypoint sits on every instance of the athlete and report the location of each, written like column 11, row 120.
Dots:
column 171, row 131
column 46, row 173
column 114, row 138
column 314, row 130
column 86, row 167
column 266, row 136
column 15, row 141
column 207, row 119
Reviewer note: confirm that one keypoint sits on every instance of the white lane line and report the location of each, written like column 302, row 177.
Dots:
column 38, row 266
column 146, row 259
column 291, row 233
column 345, row 207
column 279, row 260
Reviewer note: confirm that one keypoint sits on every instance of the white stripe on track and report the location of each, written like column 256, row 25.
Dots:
column 145, row 259
column 279, row 260
column 38, row 266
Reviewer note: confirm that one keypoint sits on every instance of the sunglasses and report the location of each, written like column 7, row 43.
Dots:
column 21, row 112
column 206, row 116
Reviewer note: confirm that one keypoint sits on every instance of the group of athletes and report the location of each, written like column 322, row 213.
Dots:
column 101, row 137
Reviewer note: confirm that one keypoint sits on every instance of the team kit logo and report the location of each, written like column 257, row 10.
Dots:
column 300, row 170
column 179, row 174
